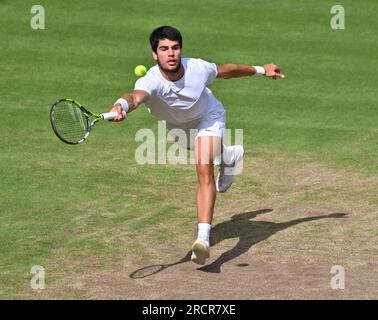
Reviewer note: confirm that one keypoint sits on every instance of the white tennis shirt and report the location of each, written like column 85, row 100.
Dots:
column 185, row 100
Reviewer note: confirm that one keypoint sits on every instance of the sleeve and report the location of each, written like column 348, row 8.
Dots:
column 209, row 69
column 148, row 84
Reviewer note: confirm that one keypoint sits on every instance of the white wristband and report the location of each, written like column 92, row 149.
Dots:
column 123, row 103
column 259, row 70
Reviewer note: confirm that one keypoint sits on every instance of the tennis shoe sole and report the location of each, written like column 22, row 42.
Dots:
column 201, row 252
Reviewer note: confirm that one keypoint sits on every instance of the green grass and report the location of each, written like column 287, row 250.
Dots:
column 58, row 202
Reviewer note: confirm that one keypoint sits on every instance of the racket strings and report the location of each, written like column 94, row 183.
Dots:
column 70, row 122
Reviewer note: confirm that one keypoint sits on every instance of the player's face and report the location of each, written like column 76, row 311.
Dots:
column 168, row 55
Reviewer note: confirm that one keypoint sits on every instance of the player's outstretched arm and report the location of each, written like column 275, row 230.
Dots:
column 129, row 102
column 228, row 71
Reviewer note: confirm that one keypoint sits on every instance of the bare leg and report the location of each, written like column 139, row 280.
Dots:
column 206, row 149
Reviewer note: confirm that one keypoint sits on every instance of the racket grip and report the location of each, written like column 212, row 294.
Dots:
column 109, row 115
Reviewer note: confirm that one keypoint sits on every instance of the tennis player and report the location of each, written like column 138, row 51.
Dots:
column 176, row 91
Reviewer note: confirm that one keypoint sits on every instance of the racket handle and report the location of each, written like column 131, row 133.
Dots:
column 109, row 115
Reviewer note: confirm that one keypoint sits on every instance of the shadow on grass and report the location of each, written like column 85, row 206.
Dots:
column 239, row 226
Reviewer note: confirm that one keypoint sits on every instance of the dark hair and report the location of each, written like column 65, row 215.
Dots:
column 164, row 32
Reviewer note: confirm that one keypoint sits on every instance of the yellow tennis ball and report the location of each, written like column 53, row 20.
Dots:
column 140, row 70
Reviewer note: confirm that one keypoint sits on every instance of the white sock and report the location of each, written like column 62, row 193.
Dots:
column 228, row 155
column 204, row 232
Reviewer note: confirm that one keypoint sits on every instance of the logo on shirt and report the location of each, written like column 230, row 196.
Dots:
column 176, row 90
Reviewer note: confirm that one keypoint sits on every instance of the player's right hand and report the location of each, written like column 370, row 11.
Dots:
column 121, row 113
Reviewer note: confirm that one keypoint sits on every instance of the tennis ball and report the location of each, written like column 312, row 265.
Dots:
column 140, row 70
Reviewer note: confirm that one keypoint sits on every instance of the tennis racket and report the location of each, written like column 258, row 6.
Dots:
column 73, row 122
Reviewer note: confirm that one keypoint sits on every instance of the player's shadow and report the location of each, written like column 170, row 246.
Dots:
column 249, row 233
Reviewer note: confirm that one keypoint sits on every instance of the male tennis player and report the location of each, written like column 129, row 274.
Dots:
column 176, row 91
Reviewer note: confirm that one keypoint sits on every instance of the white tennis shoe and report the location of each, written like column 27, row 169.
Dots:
column 226, row 173
column 201, row 251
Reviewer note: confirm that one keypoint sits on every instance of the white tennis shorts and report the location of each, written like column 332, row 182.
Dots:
column 211, row 125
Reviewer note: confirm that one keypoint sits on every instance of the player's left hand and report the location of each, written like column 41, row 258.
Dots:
column 273, row 71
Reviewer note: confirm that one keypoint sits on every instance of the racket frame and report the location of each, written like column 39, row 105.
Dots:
column 86, row 113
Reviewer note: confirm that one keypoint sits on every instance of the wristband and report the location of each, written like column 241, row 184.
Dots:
column 123, row 103
column 259, row 70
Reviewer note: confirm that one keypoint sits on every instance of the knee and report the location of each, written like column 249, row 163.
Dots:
column 205, row 174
